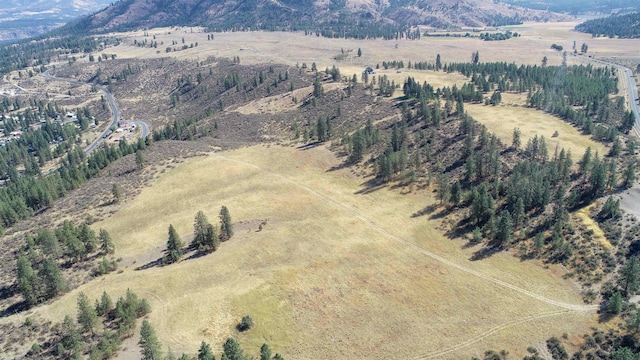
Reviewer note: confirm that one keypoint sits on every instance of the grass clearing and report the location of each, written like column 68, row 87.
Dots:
column 326, row 277
column 598, row 235
column 502, row 119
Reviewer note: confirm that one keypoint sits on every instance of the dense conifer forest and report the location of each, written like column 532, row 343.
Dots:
column 622, row 26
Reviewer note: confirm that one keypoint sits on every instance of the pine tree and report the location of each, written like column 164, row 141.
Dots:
column 116, row 192
column 630, row 277
column 27, row 280
column 52, row 278
column 505, row 228
column 226, row 227
column 106, row 244
column 614, row 304
column 456, row 193
column 629, row 175
column 151, row 347
column 88, row 238
column 232, row 350
column 105, row 305
column 265, row 352
column 87, row 317
column 174, row 247
column 205, row 353
column 71, row 338
column 139, row 160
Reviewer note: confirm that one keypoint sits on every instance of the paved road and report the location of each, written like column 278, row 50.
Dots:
column 113, row 106
column 632, row 88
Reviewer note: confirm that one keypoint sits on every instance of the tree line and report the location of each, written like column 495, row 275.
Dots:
column 623, row 26
column 39, row 274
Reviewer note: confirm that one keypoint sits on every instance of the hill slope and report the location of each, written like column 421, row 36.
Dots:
column 624, row 26
column 307, row 14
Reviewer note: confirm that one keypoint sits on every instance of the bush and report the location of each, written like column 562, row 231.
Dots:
column 246, row 323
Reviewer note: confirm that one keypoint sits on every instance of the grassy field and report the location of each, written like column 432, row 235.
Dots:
column 296, row 48
column 502, row 119
column 334, row 273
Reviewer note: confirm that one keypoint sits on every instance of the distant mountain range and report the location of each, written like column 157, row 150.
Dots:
column 336, row 15
column 24, row 18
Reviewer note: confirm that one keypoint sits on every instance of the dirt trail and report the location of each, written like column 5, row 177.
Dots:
column 560, row 304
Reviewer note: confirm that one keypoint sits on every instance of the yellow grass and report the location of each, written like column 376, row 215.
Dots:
column 598, row 235
column 502, row 119
column 296, row 48
column 333, row 274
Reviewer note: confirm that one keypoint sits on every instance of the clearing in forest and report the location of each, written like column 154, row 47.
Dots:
column 503, row 119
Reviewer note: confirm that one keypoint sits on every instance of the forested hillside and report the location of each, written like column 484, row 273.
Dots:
column 337, row 18
column 622, row 26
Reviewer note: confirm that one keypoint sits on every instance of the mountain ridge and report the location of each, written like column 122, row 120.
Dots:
column 336, row 15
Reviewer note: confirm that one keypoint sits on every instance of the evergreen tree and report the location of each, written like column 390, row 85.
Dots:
column 87, row 317
column 200, row 230
column 232, row 350
column 52, row 278
column 106, row 244
column 116, row 192
column 456, row 193
column 150, row 345
column 630, row 277
column 614, row 304
column 629, row 175
column 139, row 160
column 174, row 247
column 105, row 305
column 27, row 280
column 205, row 353
column 505, row 228
column 265, row 352
column 88, row 238
column 226, row 227
column 71, row 338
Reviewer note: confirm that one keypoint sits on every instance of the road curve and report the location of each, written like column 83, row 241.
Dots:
column 632, row 89
column 113, row 106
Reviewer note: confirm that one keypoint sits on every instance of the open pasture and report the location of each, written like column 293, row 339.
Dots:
column 336, row 272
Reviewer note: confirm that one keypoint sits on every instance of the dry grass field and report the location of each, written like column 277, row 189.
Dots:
column 296, row 48
column 334, row 273
column 502, row 119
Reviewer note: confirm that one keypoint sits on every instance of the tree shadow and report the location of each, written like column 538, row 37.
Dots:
column 370, row 186
column 8, row 291
column 14, row 309
column 149, row 265
column 485, row 252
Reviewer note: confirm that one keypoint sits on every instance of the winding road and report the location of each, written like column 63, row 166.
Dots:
column 113, row 106
column 631, row 88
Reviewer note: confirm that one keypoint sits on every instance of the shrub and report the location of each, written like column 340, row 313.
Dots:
column 246, row 323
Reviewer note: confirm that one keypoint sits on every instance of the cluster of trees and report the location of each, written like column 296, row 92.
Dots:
column 98, row 329
column 578, row 94
column 624, row 26
column 498, row 36
column 39, row 276
column 24, row 194
column 28, row 53
column 151, row 349
column 206, row 237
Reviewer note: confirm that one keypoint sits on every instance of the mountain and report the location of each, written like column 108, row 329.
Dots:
column 24, row 18
column 336, row 15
